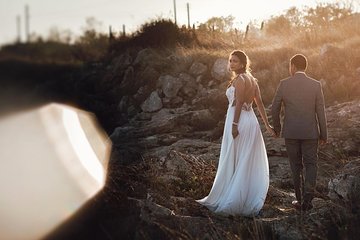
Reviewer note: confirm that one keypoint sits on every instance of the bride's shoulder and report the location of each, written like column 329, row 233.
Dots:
column 241, row 77
column 247, row 77
column 252, row 78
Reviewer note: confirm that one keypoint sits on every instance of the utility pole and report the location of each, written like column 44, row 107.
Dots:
column 124, row 32
column 111, row 35
column 188, row 13
column 18, row 28
column 27, row 24
column 175, row 11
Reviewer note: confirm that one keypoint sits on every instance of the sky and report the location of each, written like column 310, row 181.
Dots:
column 72, row 14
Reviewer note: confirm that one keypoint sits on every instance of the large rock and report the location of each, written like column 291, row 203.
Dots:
column 168, row 120
column 153, row 103
column 142, row 94
column 144, row 56
column 190, row 87
column 220, row 69
column 198, row 68
column 170, row 85
column 344, row 128
column 201, row 120
column 345, row 187
column 165, row 121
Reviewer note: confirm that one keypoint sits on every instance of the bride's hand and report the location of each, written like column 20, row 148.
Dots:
column 235, row 131
column 271, row 130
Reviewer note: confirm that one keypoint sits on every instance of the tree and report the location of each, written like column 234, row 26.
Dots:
column 221, row 24
column 57, row 35
column 295, row 17
column 93, row 44
column 325, row 13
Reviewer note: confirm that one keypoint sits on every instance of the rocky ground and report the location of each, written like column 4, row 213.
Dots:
column 155, row 178
column 174, row 142
column 178, row 167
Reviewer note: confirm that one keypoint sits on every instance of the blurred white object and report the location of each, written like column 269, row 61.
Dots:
column 52, row 160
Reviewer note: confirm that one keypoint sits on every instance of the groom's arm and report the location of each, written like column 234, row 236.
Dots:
column 275, row 110
column 320, row 113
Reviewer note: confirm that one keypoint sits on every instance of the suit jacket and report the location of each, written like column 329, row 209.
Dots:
column 304, row 108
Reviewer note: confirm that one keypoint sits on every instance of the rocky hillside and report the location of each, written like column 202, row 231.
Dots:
column 164, row 113
column 165, row 153
column 166, row 156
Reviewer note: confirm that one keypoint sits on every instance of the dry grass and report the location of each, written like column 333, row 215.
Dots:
column 195, row 182
column 333, row 54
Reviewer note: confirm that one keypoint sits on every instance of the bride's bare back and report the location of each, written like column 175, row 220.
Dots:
column 249, row 88
column 246, row 91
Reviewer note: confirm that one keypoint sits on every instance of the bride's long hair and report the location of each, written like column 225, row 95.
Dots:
column 244, row 59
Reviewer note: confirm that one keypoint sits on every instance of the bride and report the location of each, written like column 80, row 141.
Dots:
column 242, row 179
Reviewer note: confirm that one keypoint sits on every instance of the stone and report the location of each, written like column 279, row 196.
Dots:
column 344, row 128
column 345, row 187
column 144, row 56
column 153, row 103
column 220, row 69
column 197, row 69
column 170, row 85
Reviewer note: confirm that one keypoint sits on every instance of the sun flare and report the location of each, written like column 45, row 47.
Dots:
column 81, row 145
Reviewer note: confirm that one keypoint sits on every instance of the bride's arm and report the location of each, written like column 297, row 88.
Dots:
column 239, row 85
column 261, row 109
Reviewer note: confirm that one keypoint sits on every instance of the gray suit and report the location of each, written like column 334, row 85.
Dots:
column 304, row 124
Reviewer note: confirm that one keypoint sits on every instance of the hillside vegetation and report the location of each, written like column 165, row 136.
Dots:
column 328, row 34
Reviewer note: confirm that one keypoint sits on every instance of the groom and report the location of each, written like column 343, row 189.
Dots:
column 304, row 127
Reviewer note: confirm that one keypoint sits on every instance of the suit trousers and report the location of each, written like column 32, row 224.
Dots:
column 303, row 156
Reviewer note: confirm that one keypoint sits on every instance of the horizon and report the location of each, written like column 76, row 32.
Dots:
column 45, row 17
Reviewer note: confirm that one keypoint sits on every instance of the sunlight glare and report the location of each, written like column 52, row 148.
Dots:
column 81, row 145
column 53, row 160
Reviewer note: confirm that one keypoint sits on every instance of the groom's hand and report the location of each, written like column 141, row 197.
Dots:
column 271, row 130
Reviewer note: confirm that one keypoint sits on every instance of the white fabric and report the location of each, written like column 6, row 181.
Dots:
column 242, row 179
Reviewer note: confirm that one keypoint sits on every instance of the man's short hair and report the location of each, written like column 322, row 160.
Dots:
column 299, row 61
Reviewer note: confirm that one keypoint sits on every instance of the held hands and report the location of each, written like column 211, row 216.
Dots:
column 271, row 130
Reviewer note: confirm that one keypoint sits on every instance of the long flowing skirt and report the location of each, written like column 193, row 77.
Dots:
column 242, row 179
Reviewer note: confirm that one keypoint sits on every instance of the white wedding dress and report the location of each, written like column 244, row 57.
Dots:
column 242, row 179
